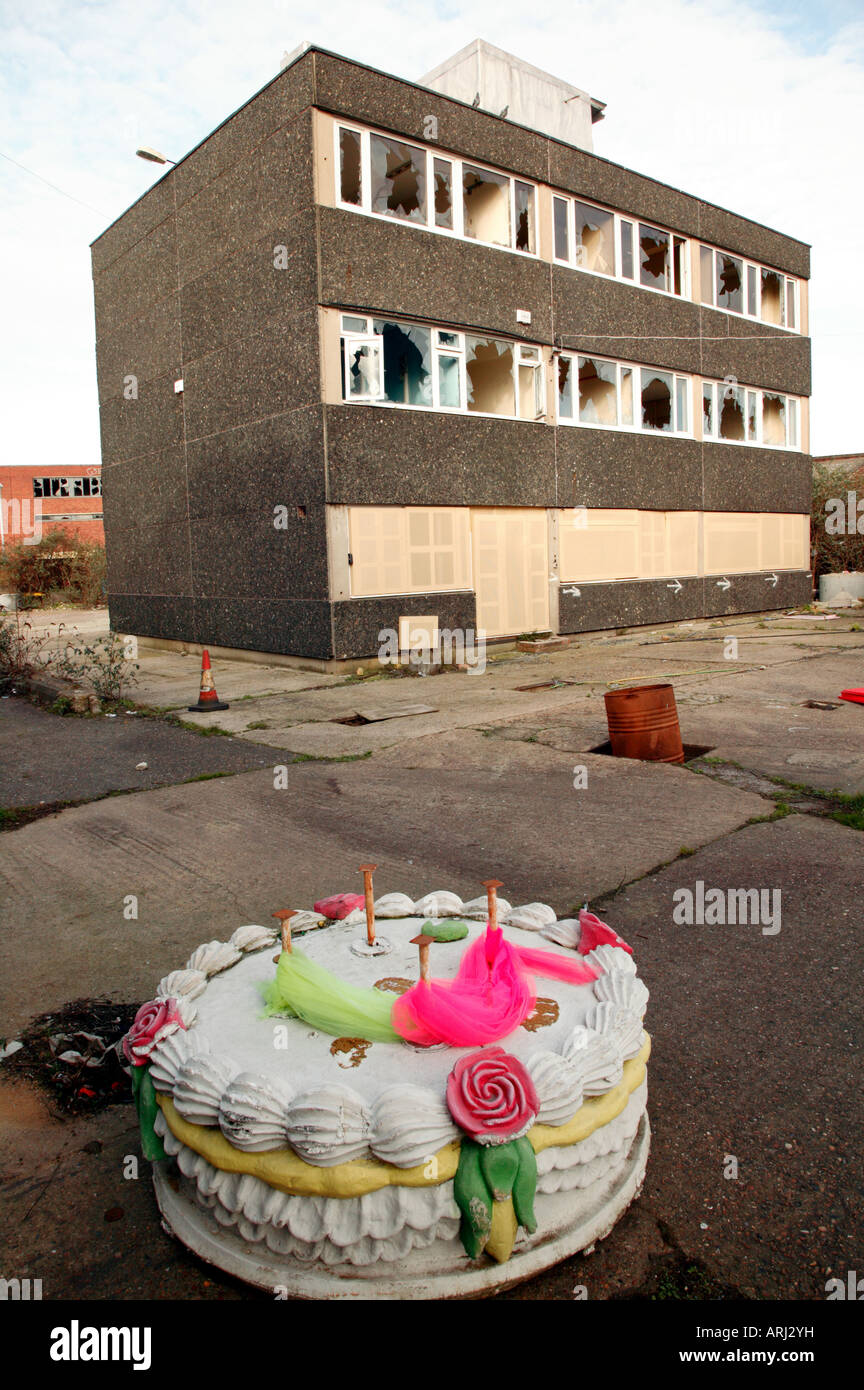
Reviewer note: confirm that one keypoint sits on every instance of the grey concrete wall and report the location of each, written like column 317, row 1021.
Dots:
column 637, row 602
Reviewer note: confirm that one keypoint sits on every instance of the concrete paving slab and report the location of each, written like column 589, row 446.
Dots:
column 756, row 1054
column 44, row 758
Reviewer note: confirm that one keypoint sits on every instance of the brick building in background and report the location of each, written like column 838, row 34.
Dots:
column 414, row 349
column 35, row 498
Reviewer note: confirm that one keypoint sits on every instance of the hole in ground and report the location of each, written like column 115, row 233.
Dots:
column 691, row 750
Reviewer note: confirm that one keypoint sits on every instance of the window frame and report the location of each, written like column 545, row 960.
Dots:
column 791, row 416
column 788, row 283
column 635, row 369
column 620, row 219
column 433, row 153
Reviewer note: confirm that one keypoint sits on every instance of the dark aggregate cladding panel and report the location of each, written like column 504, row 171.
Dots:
column 140, row 276
column 596, row 314
column 742, row 479
column 754, row 353
column 247, row 200
column 391, row 457
column 631, row 603
column 230, row 301
column 143, row 558
column 149, row 615
column 274, row 462
column 753, row 593
column 346, row 88
column 147, row 425
column 358, row 621
column 613, row 468
column 133, row 225
column 158, row 478
column 245, row 555
column 146, row 347
column 272, row 369
column 730, row 232
column 639, row 602
column 372, row 264
column 298, row 627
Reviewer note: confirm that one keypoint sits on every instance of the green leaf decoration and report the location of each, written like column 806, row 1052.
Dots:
column 144, row 1093
column 445, row 931
column 525, row 1185
column 473, row 1199
column 500, row 1165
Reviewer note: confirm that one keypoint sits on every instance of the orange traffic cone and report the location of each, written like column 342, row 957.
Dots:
column 207, row 699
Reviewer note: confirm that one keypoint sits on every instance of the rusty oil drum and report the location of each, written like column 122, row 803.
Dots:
column 643, row 723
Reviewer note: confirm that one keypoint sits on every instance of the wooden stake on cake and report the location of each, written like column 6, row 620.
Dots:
column 424, row 942
column 367, row 870
column 284, row 917
column 492, row 885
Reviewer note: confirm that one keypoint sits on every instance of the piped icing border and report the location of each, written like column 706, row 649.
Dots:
column 284, row 1170
column 331, row 1126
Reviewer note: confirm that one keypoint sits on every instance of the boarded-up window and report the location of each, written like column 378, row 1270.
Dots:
column 404, row 550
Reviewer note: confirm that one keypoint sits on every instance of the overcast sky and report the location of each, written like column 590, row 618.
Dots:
column 756, row 106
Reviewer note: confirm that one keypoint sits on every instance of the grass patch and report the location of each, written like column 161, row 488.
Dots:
column 209, row 731
column 259, row 724
column 318, row 758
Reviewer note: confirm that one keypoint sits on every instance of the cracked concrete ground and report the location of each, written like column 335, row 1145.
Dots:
column 754, row 1035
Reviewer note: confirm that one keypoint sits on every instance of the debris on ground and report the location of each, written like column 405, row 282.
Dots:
column 73, row 1055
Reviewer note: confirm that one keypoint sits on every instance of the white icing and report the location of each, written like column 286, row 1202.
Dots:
column 394, row 905
column 607, row 958
column 186, row 983
column 622, row 1025
column 253, row 1113
column 186, row 1008
column 558, row 1085
column 626, row 990
column 253, row 938
column 438, row 904
column 168, row 1057
column 477, row 910
column 566, row 932
column 213, row 956
column 199, row 1086
column 597, row 1058
column 530, row 917
column 409, row 1125
column 328, row 1125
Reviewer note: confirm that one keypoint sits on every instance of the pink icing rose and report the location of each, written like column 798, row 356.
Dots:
column 153, row 1022
column 596, row 933
column 491, row 1096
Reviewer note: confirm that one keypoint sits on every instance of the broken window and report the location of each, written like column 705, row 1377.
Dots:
column 627, row 262
column 561, row 218
column 491, row 386
column 730, row 283
column 350, row 184
column 565, row 388
column 449, row 370
column 708, row 409
column 524, row 202
column 656, row 399
column 486, row 205
column 679, row 266
column 706, row 274
column 752, row 423
column 627, row 396
column 773, row 420
column 407, row 364
column 595, row 239
column 443, row 175
column 598, row 393
column 363, row 368
column 655, row 262
column 398, row 179
column 530, row 382
column 731, row 412
column 752, row 291
column 772, row 297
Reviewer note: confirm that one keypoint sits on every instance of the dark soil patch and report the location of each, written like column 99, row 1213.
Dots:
column 77, row 1087
column 675, row 1277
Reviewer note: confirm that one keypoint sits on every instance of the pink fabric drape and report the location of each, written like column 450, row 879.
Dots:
column 491, row 995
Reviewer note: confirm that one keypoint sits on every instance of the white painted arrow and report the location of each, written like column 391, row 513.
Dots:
column 677, row 586
column 772, row 580
column 724, row 583
column 571, row 589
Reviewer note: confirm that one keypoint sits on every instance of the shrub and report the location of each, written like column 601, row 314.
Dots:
column 21, row 649
column 833, row 553
column 60, row 564
column 103, row 665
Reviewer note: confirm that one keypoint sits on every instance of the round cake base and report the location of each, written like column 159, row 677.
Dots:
column 567, row 1222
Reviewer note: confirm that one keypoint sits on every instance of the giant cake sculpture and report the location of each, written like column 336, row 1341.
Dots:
column 396, row 1113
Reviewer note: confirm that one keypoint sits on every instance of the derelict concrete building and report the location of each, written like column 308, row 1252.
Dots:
column 373, row 350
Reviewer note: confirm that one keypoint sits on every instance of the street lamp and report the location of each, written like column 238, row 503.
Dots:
column 147, row 152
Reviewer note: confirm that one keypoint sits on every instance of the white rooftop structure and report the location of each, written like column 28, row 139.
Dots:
column 489, row 78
